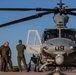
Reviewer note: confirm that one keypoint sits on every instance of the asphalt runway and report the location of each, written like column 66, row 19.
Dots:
column 34, row 73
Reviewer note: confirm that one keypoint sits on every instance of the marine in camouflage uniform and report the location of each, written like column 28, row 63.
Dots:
column 20, row 57
column 5, row 54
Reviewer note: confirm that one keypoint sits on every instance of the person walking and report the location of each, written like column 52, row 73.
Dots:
column 20, row 57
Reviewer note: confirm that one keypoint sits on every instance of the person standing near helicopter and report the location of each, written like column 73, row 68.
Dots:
column 5, row 54
column 20, row 48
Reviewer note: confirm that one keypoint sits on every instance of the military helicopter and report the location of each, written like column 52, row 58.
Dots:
column 57, row 47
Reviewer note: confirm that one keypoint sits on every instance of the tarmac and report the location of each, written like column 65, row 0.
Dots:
column 35, row 73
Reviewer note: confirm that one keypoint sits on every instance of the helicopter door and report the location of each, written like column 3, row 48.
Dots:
column 33, row 43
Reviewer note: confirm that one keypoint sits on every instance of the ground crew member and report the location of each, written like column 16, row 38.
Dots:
column 5, row 53
column 20, row 57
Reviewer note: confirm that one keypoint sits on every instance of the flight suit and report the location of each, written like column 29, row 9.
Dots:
column 4, row 52
column 20, row 57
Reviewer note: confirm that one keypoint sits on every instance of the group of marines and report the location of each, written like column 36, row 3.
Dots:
column 5, row 57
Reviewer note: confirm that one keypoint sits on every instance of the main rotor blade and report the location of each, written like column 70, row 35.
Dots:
column 71, row 13
column 26, row 9
column 70, row 9
column 68, row 12
column 25, row 19
column 15, row 9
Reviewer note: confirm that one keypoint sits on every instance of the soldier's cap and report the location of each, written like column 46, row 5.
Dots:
column 20, row 41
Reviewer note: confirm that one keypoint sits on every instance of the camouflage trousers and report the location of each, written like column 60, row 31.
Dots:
column 24, row 62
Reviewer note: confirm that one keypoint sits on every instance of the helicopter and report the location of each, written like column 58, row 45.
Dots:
column 57, row 47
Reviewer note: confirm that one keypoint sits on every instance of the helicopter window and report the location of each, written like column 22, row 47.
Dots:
column 68, row 33
column 49, row 34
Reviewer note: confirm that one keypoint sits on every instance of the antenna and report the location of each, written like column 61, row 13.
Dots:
column 60, row 4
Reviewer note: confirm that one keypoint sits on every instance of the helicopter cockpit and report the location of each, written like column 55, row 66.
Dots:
column 59, row 33
column 49, row 34
column 69, row 34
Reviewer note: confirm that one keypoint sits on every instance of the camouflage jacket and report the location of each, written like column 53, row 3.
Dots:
column 5, row 51
column 20, row 48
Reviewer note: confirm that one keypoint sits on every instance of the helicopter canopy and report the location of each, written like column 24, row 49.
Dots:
column 54, row 33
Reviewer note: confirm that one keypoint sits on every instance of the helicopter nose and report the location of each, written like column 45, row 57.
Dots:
column 58, row 46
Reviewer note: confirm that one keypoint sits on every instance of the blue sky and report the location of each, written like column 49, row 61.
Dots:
column 19, row 31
